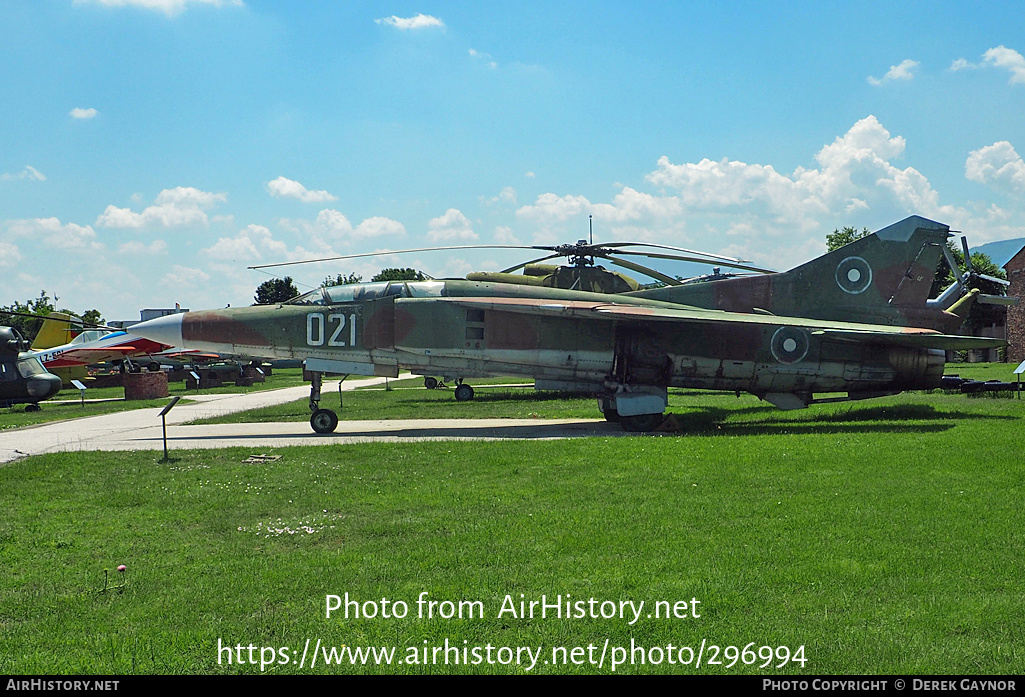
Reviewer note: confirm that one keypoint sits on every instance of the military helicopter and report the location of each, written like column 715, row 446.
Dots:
column 853, row 321
column 23, row 379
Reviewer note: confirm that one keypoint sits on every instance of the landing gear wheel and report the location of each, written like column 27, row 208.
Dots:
column 607, row 407
column 464, row 393
column 153, row 367
column 33, row 407
column 641, row 423
column 324, row 421
column 430, row 383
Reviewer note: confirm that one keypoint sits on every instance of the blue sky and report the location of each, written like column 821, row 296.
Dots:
column 151, row 150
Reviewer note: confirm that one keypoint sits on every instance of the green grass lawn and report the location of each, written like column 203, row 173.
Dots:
column 882, row 536
column 51, row 410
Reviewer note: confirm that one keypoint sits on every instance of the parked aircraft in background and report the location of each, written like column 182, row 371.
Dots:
column 69, row 359
column 854, row 321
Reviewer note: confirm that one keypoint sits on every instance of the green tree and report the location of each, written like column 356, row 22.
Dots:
column 28, row 326
column 400, row 275
column 92, row 317
column 838, row 238
column 40, row 307
column 341, row 280
column 276, row 290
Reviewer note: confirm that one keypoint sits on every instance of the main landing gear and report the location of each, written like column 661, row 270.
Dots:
column 322, row 420
column 463, row 392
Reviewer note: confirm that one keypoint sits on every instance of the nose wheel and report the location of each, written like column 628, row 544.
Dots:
column 464, row 393
column 324, row 421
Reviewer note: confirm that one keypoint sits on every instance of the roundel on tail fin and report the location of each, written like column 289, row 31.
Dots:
column 853, row 275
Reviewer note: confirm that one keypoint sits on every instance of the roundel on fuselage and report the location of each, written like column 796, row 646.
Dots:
column 789, row 344
column 853, row 275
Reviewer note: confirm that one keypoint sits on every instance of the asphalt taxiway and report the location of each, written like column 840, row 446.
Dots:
column 140, row 429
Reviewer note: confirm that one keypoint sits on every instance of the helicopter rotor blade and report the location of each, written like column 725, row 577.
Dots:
column 394, row 251
column 74, row 321
column 970, row 271
column 528, row 263
column 967, row 254
column 674, row 257
column 673, row 249
column 668, row 280
column 959, row 276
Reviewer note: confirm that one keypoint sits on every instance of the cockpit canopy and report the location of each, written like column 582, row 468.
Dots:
column 358, row 292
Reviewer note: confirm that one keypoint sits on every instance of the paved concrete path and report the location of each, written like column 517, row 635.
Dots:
column 139, row 429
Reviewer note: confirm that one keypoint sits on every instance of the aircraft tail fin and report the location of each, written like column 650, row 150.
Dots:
column 882, row 278
column 55, row 331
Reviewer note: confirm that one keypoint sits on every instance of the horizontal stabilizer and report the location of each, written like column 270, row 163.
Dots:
column 947, row 342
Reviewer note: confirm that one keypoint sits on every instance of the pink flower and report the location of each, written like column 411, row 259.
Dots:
column 122, row 568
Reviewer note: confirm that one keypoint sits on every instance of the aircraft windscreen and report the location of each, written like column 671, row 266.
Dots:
column 426, row 289
column 314, row 297
column 357, row 292
column 89, row 335
column 30, row 366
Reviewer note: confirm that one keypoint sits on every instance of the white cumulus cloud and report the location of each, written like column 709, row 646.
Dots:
column 29, row 173
column 49, row 233
column 453, row 226
column 999, row 57
column 138, row 248
column 1009, row 59
column 254, row 243
column 999, row 165
column 419, row 21
column 181, row 207
column 80, row 113
column 288, row 188
column 905, row 70
column 9, row 255
column 775, row 218
column 332, row 227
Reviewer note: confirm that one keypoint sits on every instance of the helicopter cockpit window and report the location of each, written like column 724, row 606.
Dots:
column 30, row 366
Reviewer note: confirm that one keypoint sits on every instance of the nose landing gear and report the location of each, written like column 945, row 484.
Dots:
column 322, row 420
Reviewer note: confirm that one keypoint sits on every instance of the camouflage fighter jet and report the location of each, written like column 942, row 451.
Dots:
column 847, row 322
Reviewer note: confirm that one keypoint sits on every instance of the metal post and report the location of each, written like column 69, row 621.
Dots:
column 163, row 422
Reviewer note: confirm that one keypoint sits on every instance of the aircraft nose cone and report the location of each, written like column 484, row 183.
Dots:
column 164, row 330
column 43, row 386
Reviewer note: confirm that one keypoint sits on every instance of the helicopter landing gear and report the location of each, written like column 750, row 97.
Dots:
column 430, row 383
column 464, row 393
column 322, row 420
column 33, row 407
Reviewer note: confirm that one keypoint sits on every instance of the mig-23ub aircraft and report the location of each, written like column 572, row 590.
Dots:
column 627, row 348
